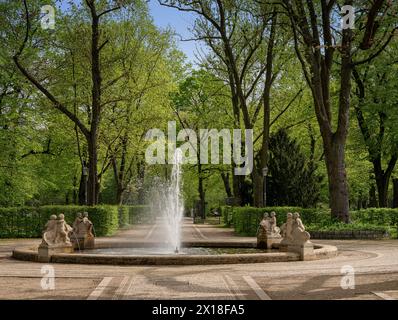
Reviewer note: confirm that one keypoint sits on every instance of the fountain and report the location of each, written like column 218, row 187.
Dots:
column 293, row 245
column 171, row 204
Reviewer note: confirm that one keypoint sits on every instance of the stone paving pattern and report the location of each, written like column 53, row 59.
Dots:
column 375, row 264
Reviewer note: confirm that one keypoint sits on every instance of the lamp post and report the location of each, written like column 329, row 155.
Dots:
column 265, row 172
column 85, row 174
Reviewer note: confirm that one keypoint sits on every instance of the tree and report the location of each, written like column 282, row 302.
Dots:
column 315, row 39
column 241, row 38
column 201, row 102
column 90, row 130
column 376, row 114
column 293, row 179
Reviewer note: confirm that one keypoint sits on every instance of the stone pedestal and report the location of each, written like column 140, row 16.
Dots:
column 45, row 252
column 265, row 242
column 89, row 242
column 283, row 246
column 306, row 250
column 82, row 243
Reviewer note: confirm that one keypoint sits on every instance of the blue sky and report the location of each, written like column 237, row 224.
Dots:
column 165, row 17
column 179, row 21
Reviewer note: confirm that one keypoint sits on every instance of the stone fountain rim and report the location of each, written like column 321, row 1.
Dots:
column 320, row 252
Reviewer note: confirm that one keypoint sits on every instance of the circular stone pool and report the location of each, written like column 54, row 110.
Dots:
column 182, row 251
column 192, row 253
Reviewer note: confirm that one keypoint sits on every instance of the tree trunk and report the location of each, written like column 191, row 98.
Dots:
column 258, row 174
column 382, row 191
column 372, row 197
column 319, row 62
column 383, row 178
column 74, row 194
column 202, row 197
column 395, row 193
column 82, row 190
column 227, row 186
column 92, row 183
column 338, row 188
column 258, row 187
column 237, row 182
column 141, row 180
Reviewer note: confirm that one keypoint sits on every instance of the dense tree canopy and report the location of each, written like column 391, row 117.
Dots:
column 322, row 101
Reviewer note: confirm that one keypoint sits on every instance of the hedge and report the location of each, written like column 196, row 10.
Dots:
column 246, row 219
column 377, row 216
column 28, row 222
column 140, row 214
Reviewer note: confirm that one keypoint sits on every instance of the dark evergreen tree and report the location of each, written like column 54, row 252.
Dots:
column 293, row 180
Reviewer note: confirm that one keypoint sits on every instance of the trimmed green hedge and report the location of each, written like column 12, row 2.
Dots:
column 28, row 222
column 377, row 216
column 246, row 219
column 140, row 214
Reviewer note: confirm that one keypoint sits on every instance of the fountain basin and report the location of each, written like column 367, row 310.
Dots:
column 238, row 254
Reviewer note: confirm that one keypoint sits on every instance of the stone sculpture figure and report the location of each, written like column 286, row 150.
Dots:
column 275, row 231
column 88, row 224
column 83, row 232
column 77, row 225
column 55, row 238
column 268, row 232
column 63, row 230
column 287, row 228
column 50, row 231
column 265, row 224
column 296, row 239
column 299, row 235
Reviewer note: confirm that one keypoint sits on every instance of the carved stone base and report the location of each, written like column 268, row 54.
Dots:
column 45, row 252
column 306, row 250
column 265, row 242
column 89, row 242
column 283, row 246
column 86, row 242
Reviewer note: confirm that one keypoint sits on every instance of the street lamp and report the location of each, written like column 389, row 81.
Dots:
column 265, row 172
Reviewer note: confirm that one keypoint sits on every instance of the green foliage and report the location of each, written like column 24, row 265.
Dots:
column 123, row 216
column 293, row 179
column 28, row 222
column 339, row 226
column 377, row 216
column 246, row 219
column 227, row 214
column 140, row 214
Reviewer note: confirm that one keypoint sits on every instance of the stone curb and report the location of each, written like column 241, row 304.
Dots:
column 320, row 252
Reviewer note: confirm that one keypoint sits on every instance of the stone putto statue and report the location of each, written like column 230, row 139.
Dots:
column 268, row 231
column 56, row 232
column 88, row 224
column 63, row 230
column 275, row 231
column 83, row 237
column 50, row 231
column 298, row 233
column 77, row 228
column 287, row 228
column 264, row 224
column 293, row 231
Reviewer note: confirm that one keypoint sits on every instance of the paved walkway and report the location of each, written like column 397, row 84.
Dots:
column 375, row 266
